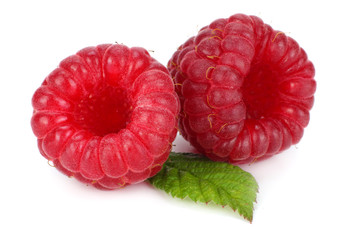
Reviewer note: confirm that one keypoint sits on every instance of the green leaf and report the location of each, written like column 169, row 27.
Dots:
column 202, row 180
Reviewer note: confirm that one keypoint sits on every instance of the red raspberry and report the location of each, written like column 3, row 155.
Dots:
column 106, row 115
column 245, row 89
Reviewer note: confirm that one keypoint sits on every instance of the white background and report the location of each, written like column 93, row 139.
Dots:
column 308, row 192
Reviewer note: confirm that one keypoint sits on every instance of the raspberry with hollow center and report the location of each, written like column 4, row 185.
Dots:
column 106, row 116
column 245, row 89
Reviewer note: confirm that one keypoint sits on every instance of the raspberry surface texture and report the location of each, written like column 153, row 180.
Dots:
column 245, row 90
column 106, row 116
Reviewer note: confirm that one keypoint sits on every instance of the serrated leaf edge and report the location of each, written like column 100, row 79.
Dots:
column 195, row 157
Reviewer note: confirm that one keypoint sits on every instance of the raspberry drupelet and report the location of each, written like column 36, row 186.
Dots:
column 245, row 90
column 106, row 116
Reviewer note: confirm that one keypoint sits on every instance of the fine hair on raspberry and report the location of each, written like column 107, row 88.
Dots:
column 245, row 89
column 106, row 116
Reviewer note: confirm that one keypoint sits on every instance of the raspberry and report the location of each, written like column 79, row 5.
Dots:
column 106, row 116
column 244, row 88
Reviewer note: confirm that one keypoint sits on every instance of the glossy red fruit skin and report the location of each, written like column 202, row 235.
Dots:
column 106, row 116
column 245, row 90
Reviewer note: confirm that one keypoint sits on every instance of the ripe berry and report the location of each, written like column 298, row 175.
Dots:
column 106, row 116
column 245, row 89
